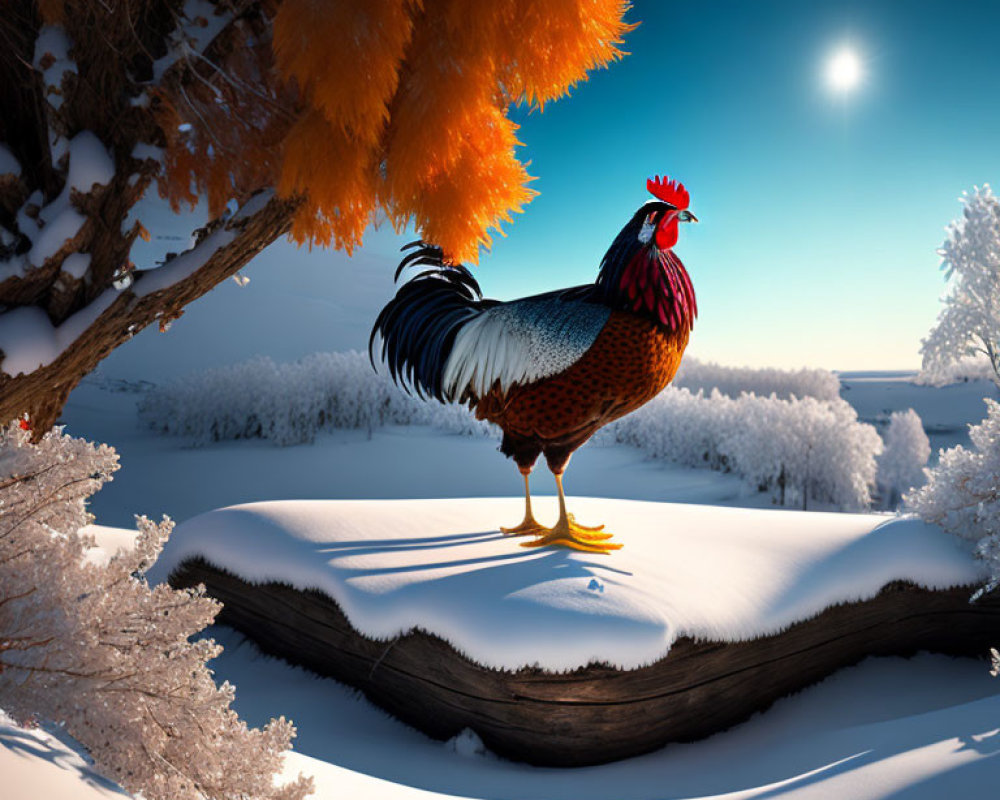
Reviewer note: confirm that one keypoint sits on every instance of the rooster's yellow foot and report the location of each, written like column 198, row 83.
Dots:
column 585, row 529
column 528, row 527
column 568, row 533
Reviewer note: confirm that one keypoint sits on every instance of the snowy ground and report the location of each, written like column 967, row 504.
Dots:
column 923, row 728
column 163, row 475
column 945, row 412
column 919, row 729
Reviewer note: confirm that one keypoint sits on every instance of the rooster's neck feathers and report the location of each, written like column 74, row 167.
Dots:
column 640, row 278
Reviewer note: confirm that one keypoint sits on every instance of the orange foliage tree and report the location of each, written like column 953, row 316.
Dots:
column 350, row 111
column 402, row 107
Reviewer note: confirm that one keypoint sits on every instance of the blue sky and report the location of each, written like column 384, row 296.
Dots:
column 821, row 213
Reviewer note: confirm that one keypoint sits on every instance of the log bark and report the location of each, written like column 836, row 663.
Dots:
column 597, row 713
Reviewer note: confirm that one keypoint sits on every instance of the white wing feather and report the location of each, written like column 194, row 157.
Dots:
column 521, row 342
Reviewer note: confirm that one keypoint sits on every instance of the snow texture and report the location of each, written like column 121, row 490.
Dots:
column 89, row 165
column 40, row 763
column 291, row 403
column 200, row 22
column 799, row 450
column 190, row 261
column 923, row 728
column 9, row 165
column 143, row 151
column 763, row 381
column 29, row 340
column 52, row 47
column 697, row 571
column 60, row 226
column 76, row 264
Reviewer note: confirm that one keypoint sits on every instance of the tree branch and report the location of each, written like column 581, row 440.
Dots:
column 43, row 393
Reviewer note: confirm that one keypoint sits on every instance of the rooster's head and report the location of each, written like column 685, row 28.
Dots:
column 640, row 272
column 662, row 218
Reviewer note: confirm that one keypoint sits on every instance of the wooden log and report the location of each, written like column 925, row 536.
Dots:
column 597, row 713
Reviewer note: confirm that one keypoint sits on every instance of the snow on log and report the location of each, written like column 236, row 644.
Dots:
column 707, row 616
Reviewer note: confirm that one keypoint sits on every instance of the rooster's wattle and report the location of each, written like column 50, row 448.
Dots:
column 551, row 369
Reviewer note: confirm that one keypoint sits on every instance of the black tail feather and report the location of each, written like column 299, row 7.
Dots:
column 418, row 326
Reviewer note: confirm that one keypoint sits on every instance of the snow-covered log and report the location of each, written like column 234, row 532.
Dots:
column 707, row 615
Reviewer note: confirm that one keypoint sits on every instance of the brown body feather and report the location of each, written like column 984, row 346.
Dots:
column 630, row 362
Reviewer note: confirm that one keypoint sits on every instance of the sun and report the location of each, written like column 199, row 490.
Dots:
column 843, row 70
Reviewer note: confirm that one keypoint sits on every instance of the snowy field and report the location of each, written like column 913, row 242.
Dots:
column 945, row 411
column 922, row 728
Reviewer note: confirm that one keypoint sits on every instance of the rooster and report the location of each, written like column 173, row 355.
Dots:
column 551, row 369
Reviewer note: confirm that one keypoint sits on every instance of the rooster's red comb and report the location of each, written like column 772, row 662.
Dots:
column 669, row 191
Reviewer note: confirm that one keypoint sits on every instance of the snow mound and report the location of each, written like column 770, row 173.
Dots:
column 710, row 573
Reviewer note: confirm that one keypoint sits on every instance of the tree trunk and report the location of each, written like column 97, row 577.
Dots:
column 94, row 76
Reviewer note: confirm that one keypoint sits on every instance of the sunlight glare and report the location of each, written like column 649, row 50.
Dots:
column 843, row 72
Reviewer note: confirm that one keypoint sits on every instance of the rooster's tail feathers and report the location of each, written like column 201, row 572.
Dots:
column 419, row 325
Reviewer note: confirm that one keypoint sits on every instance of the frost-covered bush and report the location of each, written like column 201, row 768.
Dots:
column 798, row 450
column 762, row 381
column 962, row 493
column 901, row 464
column 939, row 372
column 969, row 323
column 291, row 403
column 91, row 646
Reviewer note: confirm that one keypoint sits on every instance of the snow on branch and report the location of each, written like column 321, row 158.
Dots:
column 92, row 646
column 190, row 261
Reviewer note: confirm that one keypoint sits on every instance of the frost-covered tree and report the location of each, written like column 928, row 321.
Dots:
column 969, row 323
column 762, row 381
column 901, row 464
column 962, row 493
column 797, row 450
column 802, row 450
column 90, row 645
column 302, row 115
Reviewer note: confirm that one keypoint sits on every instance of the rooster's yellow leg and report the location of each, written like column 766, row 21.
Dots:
column 569, row 533
column 529, row 526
